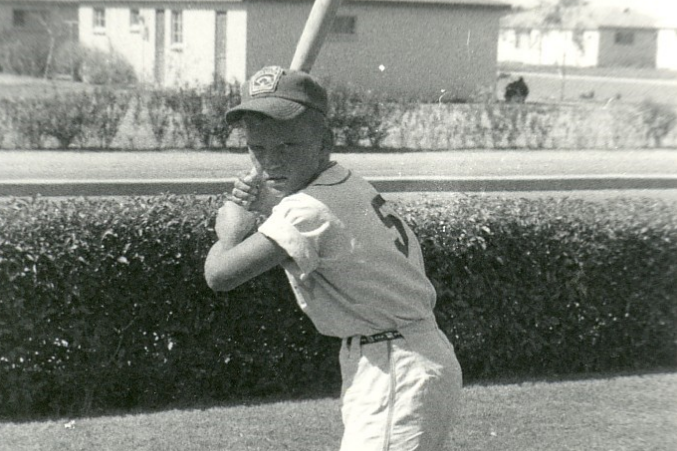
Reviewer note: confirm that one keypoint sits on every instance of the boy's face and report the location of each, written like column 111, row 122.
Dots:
column 289, row 154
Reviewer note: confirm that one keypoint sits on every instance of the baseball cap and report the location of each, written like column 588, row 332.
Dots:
column 279, row 93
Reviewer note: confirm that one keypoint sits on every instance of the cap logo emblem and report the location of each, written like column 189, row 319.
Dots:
column 265, row 80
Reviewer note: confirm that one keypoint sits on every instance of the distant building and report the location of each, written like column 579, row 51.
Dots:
column 588, row 37
column 413, row 48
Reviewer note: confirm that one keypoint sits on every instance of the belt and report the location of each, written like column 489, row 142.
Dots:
column 383, row 336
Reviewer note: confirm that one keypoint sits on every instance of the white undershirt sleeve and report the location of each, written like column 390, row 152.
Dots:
column 308, row 231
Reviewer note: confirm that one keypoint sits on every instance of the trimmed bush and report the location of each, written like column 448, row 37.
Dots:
column 359, row 117
column 30, row 120
column 200, row 113
column 101, row 67
column 77, row 118
column 659, row 121
column 108, row 108
column 103, row 303
column 67, row 117
column 154, row 103
column 69, row 59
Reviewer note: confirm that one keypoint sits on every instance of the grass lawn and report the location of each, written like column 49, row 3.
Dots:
column 619, row 72
column 623, row 413
column 548, row 87
column 13, row 86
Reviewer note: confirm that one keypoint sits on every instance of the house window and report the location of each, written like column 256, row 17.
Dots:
column 134, row 20
column 624, row 38
column 177, row 27
column 19, row 18
column 99, row 18
column 344, row 25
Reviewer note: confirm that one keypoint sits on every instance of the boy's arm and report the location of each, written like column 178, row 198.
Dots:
column 236, row 258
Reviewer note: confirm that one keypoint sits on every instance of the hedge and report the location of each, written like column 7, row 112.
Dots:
column 191, row 117
column 103, row 303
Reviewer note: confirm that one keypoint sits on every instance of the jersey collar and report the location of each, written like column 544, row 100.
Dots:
column 333, row 175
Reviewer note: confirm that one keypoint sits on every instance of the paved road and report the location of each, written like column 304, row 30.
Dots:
column 123, row 173
column 73, row 165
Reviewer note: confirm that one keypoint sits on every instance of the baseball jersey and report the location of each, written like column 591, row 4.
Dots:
column 356, row 268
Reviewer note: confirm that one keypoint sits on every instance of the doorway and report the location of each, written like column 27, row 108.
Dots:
column 220, row 48
column 160, row 46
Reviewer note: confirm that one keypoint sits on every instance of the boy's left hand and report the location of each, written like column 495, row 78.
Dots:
column 234, row 223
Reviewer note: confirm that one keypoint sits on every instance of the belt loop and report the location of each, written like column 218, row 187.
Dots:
column 354, row 346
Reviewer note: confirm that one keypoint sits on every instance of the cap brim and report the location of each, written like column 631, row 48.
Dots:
column 274, row 107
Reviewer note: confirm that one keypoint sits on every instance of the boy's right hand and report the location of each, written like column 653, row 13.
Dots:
column 246, row 189
column 253, row 193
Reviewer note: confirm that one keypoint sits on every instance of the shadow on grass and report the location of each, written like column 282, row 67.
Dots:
column 332, row 392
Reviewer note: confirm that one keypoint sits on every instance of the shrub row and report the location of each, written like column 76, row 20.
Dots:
column 98, row 118
column 103, row 303
column 534, row 126
column 79, row 118
column 192, row 117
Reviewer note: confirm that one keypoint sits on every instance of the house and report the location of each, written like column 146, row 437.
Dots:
column 666, row 43
column 588, row 37
column 411, row 48
column 34, row 20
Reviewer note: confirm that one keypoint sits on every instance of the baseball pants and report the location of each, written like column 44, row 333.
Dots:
column 401, row 394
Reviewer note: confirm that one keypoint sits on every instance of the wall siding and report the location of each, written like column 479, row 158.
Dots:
column 192, row 62
column 423, row 49
column 189, row 63
column 548, row 47
column 134, row 44
column 642, row 53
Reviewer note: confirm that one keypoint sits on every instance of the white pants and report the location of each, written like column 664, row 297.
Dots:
column 399, row 395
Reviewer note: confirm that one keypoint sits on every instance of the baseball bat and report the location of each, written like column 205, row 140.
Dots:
column 314, row 33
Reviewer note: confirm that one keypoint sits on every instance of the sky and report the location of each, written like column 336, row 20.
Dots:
column 661, row 8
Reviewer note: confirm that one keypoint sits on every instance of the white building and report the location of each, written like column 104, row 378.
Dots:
column 588, row 37
column 413, row 48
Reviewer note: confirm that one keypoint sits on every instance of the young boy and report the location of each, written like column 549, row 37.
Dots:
column 355, row 267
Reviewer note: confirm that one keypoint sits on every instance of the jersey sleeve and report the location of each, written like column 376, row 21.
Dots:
column 309, row 232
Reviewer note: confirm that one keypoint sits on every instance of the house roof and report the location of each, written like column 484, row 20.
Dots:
column 588, row 18
column 498, row 3
column 40, row 2
column 489, row 3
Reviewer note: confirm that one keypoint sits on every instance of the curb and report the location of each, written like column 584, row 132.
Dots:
column 51, row 188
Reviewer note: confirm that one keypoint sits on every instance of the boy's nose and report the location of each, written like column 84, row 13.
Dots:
column 274, row 160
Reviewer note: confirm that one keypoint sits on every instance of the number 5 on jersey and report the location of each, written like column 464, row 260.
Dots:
column 390, row 220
